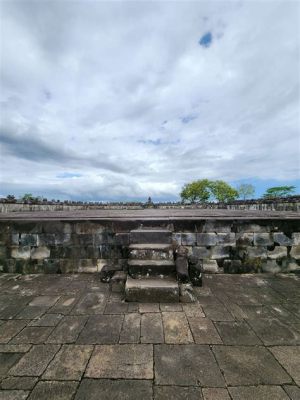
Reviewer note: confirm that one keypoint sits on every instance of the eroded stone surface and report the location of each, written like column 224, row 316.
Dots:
column 69, row 363
column 126, row 361
column 114, row 389
column 186, row 365
column 249, row 366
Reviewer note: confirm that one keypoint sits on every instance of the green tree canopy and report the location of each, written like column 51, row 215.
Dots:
column 203, row 190
column 246, row 190
column 223, row 192
column 196, row 191
column 279, row 191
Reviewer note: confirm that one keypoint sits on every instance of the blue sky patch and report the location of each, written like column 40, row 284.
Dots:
column 206, row 40
column 66, row 175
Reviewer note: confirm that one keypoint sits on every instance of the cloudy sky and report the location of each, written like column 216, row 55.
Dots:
column 125, row 100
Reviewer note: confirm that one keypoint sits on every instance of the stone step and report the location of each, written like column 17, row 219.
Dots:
column 151, row 251
column 157, row 236
column 152, row 290
column 137, row 268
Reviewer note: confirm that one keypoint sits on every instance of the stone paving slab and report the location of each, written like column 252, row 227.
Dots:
column 127, row 361
column 103, row 389
column 77, row 340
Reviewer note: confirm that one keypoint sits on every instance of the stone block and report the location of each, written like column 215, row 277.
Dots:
column 182, row 269
column 253, row 252
column 263, row 239
column 296, row 238
column 278, row 252
column 210, row 266
column 244, row 239
column 188, row 239
column 88, row 227
column 20, row 252
column 201, row 252
column 207, row 239
column 39, row 253
column 281, row 239
column 87, row 265
column 292, row 266
column 195, row 271
column 28, row 239
column 232, row 266
column 227, row 239
column 176, row 239
column 122, row 239
column 186, row 293
column 105, row 251
column 107, row 271
column 15, row 239
column 270, row 266
column 241, row 227
column 117, row 282
column 217, row 226
column 218, row 252
column 295, row 252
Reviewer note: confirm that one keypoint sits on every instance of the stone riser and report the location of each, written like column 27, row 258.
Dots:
column 152, row 254
column 142, row 236
column 152, row 290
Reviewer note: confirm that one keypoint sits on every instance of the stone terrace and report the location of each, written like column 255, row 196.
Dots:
column 67, row 337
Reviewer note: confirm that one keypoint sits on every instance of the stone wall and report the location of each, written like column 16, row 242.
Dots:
column 231, row 246
column 285, row 204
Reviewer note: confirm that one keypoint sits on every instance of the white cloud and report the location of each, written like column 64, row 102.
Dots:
column 123, row 94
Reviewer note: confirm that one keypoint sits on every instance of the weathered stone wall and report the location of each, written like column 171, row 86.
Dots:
column 288, row 204
column 231, row 246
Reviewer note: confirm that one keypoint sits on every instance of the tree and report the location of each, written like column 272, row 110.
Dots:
column 279, row 191
column 11, row 197
column 223, row 192
column 246, row 190
column 196, row 191
column 27, row 197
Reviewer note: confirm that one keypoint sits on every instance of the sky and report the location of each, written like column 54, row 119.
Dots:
column 122, row 100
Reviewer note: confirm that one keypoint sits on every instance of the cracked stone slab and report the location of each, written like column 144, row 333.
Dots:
column 67, row 330
column 35, row 361
column 101, row 329
column 275, row 332
column 293, row 392
column 204, row 331
column 53, row 390
column 237, row 333
column 44, row 301
column 245, row 365
column 176, row 328
column 289, row 358
column 13, row 394
column 127, row 361
column 9, row 329
column 258, row 393
column 91, row 303
column 104, row 389
column 152, row 328
column 177, row 393
column 47, row 320
column 69, row 363
column 33, row 335
column 186, row 365
column 7, row 360
column 131, row 329
column 215, row 394
column 18, row 383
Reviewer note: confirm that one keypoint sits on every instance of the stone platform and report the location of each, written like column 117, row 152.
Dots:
column 147, row 214
column 67, row 337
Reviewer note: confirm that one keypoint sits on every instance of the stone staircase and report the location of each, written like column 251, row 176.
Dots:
column 151, row 267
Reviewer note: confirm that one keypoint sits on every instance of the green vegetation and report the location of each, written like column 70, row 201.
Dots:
column 279, row 191
column 196, row 191
column 203, row 190
column 246, row 191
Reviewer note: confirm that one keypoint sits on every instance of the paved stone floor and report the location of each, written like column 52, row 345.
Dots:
column 66, row 337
